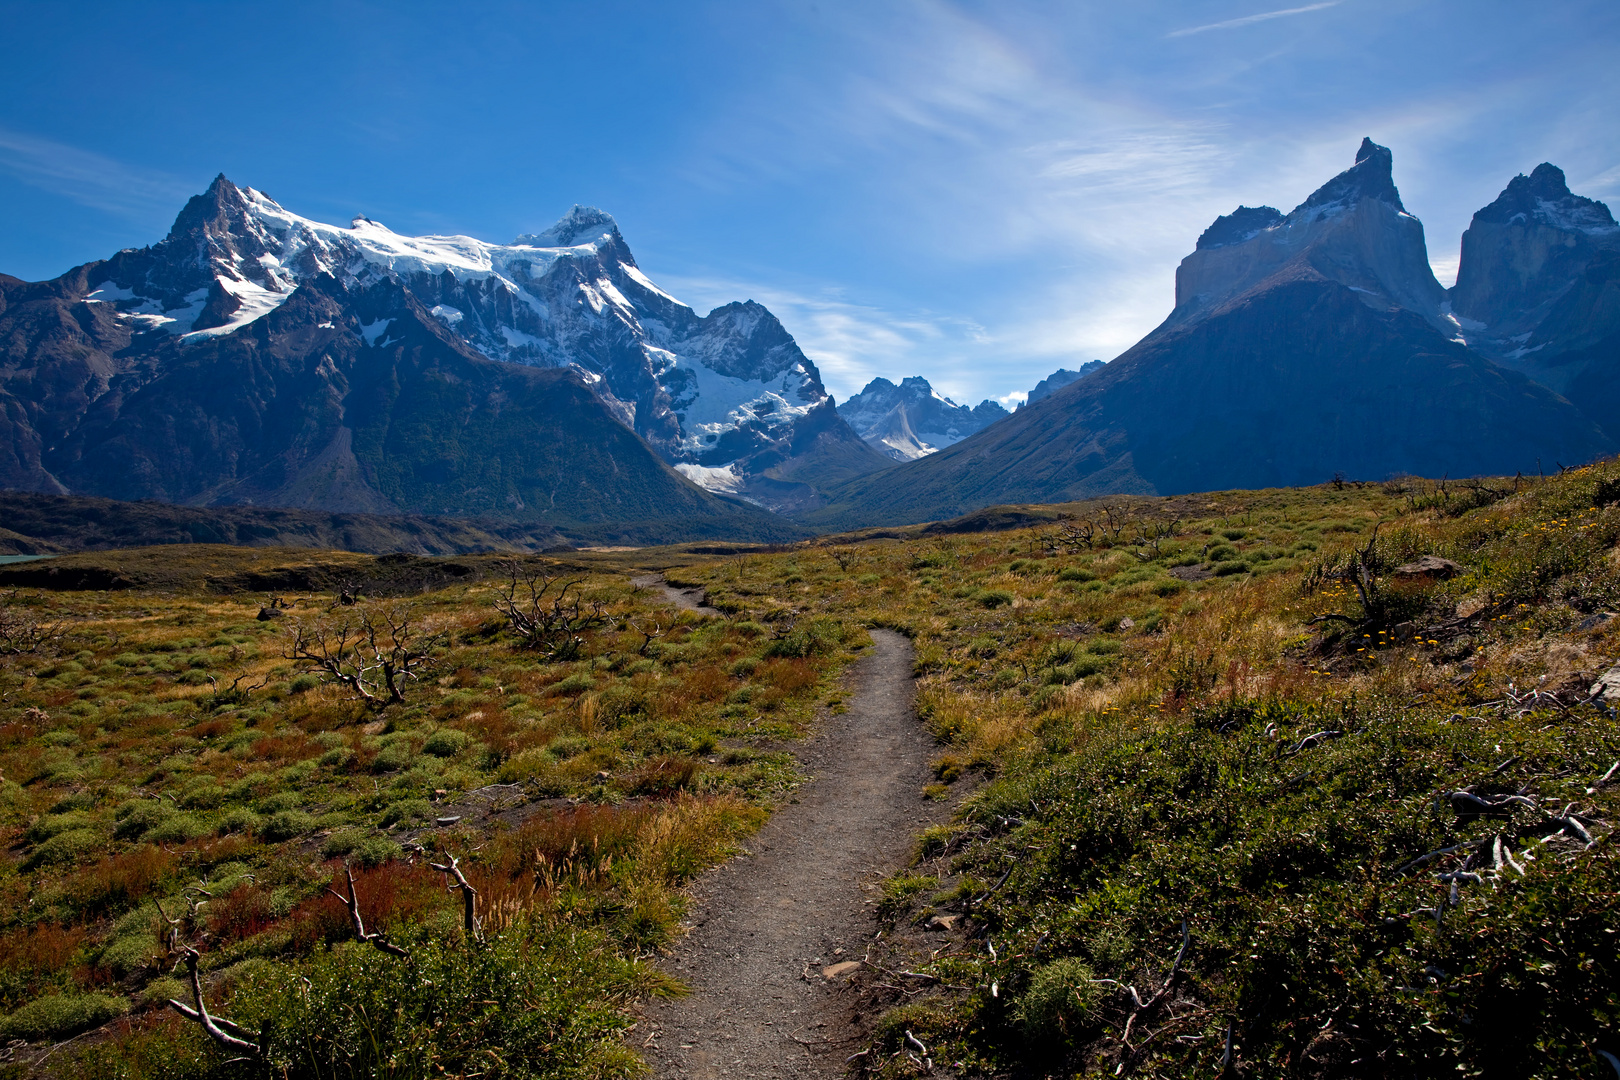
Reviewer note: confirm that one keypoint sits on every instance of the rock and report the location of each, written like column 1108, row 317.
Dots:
column 1592, row 622
column 1404, row 631
column 1432, row 567
column 943, row 922
column 450, row 820
column 834, row 971
column 268, row 613
column 1127, row 623
column 604, row 776
column 1607, row 687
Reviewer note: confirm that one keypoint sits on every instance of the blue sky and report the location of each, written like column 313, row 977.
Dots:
column 974, row 192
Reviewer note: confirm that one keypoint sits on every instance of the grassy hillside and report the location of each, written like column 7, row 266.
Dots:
column 1379, row 818
column 1379, row 802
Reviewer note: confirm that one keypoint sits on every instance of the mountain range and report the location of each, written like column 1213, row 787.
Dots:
column 256, row 358
column 1315, row 343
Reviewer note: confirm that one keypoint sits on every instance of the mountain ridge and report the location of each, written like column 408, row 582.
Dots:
column 1299, row 349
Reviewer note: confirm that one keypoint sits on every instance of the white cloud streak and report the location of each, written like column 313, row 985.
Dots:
column 1247, row 20
column 90, row 179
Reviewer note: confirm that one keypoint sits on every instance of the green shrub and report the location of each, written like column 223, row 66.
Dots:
column 276, row 803
column 1222, row 553
column 1227, row 569
column 446, row 742
column 286, row 825
column 65, row 848
column 205, row 795
column 360, row 846
column 131, row 953
column 1060, row 1002
column 811, row 637
column 138, row 816
column 176, row 829
column 303, row 683
column 992, row 598
column 407, row 812
column 1076, row 573
column 56, row 1016
column 393, row 757
column 52, row 824
column 239, row 820
column 355, row 1010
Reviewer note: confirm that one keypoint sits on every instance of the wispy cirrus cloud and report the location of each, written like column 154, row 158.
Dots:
column 1246, row 20
column 88, row 178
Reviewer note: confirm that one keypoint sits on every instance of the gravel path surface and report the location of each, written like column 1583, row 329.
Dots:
column 685, row 599
column 770, row 926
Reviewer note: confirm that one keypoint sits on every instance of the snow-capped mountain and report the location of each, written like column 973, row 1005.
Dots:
column 913, row 419
column 726, row 397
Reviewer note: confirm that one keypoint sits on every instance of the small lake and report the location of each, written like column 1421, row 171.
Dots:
column 8, row 559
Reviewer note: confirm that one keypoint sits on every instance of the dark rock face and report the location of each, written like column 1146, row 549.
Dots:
column 341, row 398
column 1352, row 230
column 1538, row 289
column 1308, row 349
column 727, row 390
column 913, row 420
column 1244, row 223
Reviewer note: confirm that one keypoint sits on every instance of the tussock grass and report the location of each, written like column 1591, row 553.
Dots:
column 1173, row 733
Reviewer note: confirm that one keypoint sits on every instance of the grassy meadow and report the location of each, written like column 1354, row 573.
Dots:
column 1251, row 798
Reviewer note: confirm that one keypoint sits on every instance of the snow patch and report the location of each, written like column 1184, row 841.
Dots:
column 720, row 479
column 108, row 293
column 254, row 303
column 371, row 331
column 634, row 274
column 447, row 314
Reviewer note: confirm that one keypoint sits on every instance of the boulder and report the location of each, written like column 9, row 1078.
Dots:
column 1429, row 567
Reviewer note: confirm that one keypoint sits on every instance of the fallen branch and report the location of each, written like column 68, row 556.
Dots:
column 1603, row 780
column 1164, row 989
column 352, row 902
column 229, row 1035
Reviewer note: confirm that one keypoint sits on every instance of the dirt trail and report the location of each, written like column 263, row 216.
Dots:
column 685, row 599
column 767, row 923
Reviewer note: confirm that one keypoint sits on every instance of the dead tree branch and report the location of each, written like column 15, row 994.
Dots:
column 229, row 1035
column 352, row 902
column 20, row 631
column 547, row 621
column 373, row 655
column 469, row 897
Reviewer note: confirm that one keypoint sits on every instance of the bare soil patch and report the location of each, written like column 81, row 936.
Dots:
column 770, row 927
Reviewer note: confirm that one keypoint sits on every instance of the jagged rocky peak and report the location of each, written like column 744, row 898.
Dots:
column 1371, row 177
column 1244, row 223
column 1352, row 230
column 1533, row 276
column 1544, row 198
column 581, row 225
column 1063, row 377
column 913, row 420
column 731, row 390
